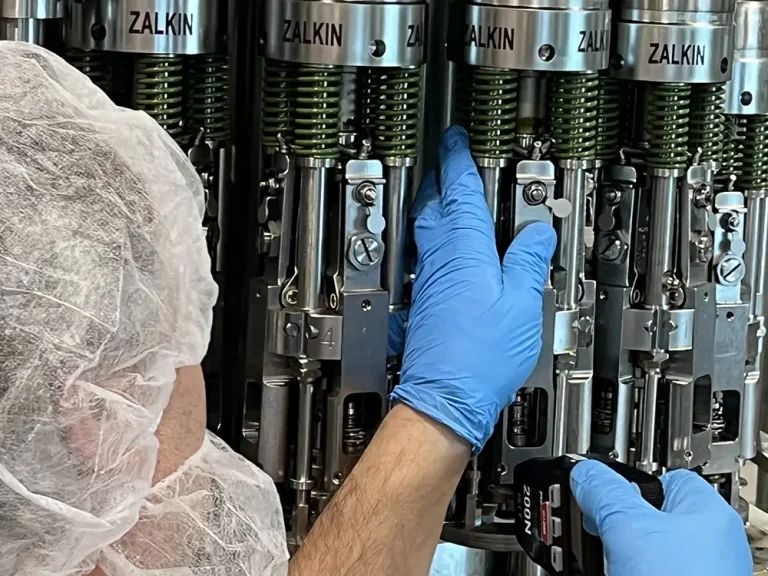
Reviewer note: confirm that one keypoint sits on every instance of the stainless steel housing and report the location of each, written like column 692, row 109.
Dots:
column 33, row 21
column 346, row 33
column 546, row 36
column 674, row 41
column 145, row 26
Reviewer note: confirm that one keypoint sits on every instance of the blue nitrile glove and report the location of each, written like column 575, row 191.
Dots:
column 696, row 531
column 474, row 331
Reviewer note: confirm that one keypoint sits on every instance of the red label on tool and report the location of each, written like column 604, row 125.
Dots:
column 544, row 512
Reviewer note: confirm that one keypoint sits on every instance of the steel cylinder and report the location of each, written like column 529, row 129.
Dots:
column 312, row 236
column 746, row 92
column 674, row 41
column 163, row 27
column 661, row 238
column 346, row 33
column 273, row 429
column 540, row 35
column 570, row 251
column 646, row 460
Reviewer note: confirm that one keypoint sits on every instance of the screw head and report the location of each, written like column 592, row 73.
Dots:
column 609, row 247
column 730, row 270
column 366, row 194
column 535, row 193
column 546, row 52
column 674, row 289
column 733, row 222
column 292, row 296
column 291, row 330
column 366, row 251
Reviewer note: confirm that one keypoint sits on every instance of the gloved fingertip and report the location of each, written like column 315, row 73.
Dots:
column 684, row 481
column 530, row 254
column 453, row 137
column 686, row 491
column 460, row 183
column 540, row 237
column 586, row 472
column 600, row 492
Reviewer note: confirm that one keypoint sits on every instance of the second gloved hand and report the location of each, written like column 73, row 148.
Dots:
column 695, row 532
column 475, row 326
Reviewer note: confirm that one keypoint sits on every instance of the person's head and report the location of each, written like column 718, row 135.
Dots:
column 105, row 290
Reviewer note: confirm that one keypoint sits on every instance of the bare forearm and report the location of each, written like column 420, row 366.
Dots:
column 386, row 518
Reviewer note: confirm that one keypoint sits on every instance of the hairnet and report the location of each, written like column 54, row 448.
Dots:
column 105, row 291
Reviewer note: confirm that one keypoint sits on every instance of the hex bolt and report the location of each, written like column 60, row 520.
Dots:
column 613, row 196
column 366, row 251
column 535, row 193
column 366, row 194
column 704, row 249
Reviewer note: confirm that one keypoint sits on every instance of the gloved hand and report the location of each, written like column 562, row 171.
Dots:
column 696, row 531
column 474, row 331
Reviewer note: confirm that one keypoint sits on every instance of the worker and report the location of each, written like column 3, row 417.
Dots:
column 107, row 296
column 105, row 464
column 473, row 337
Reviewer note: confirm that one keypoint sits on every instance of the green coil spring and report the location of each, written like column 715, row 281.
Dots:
column 278, row 101
column 207, row 101
column 367, row 100
column 707, row 121
column 158, row 90
column 666, row 125
column 575, row 99
column 92, row 64
column 733, row 147
column 609, row 118
column 318, row 111
column 754, row 174
column 491, row 112
column 396, row 117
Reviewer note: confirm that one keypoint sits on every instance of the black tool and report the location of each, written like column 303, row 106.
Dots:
column 548, row 522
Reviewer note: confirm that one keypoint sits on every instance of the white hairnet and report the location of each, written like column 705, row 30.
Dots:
column 105, row 290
